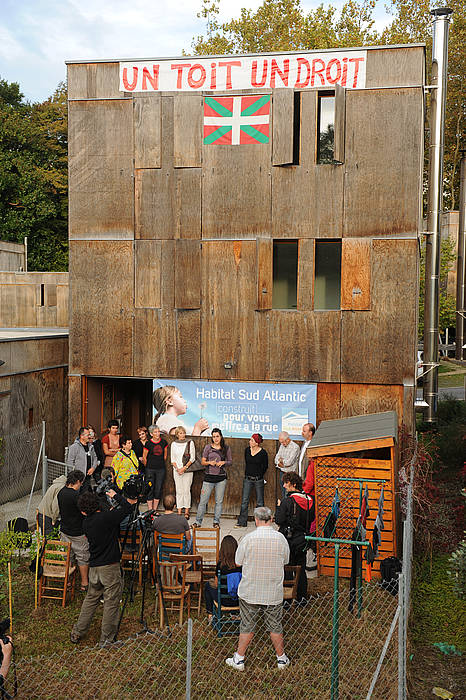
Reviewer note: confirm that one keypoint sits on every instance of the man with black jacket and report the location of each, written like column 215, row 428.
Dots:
column 102, row 528
column 294, row 516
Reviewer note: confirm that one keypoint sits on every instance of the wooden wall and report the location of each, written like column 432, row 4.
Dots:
column 34, row 299
column 171, row 240
column 12, row 256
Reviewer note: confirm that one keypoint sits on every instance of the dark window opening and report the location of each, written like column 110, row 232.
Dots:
column 327, row 275
column 296, row 127
column 42, row 294
column 285, row 275
column 326, row 128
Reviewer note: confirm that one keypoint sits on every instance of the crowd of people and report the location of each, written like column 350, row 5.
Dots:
column 90, row 519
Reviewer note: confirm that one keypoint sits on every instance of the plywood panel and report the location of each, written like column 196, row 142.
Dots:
column 147, row 116
column 51, row 294
column 328, row 402
column 356, row 274
column 264, row 273
column 360, row 399
column 91, row 80
column 188, row 202
column 62, row 305
column 305, row 346
column 188, row 336
column 101, row 332
column 75, row 417
column 384, row 140
column 283, row 115
column 187, row 274
column 236, row 191
column 386, row 336
column 306, row 274
column 147, row 271
column 188, row 129
column 231, row 331
column 397, row 67
column 340, row 123
column 101, row 170
column 307, row 199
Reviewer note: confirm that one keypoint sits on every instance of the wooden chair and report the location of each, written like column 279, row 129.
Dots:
column 193, row 574
column 175, row 590
column 129, row 553
column 170, row 544
column 290, row 582
column 206, row 542
column 225, row 619
column 58, row 576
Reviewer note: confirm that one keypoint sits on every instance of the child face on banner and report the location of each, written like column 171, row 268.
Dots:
column 178, row 403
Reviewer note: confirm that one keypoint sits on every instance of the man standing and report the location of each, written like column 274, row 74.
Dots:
column 262, row 554
column 286, row 459
column 102, row 529
column 71, row 523
column 81, row 454
column 307, row 432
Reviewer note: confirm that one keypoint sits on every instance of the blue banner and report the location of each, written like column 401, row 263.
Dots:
column 239, row 409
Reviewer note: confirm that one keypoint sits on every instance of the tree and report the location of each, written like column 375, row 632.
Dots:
column 33, row 175
column 447, row 307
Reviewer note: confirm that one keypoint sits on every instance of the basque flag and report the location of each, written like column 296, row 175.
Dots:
column 236, row 121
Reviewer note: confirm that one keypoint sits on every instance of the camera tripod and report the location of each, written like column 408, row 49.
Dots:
column 144, row 554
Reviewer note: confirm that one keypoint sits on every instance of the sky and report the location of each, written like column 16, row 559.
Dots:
column 38, row 36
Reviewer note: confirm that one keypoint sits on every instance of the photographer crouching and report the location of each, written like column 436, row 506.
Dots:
column 101, row 528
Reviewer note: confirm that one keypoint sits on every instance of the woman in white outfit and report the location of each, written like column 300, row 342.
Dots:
column 179, row 447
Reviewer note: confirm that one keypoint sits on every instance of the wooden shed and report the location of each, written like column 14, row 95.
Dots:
column 290, row 259
column 350, row 454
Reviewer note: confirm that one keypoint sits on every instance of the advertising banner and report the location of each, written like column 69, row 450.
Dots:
column 232, row 73
column 239, row 409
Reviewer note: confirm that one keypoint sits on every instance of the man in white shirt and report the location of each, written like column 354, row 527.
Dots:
column 286, row 459
column 307, row 432
column 262, row 554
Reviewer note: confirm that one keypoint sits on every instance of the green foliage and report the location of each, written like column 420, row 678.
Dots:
column 11, row 545
column 457, row 570
column 438, row 613
column 447, row 308
column 34, row 175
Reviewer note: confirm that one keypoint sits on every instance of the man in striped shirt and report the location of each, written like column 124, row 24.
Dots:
column 262, row 554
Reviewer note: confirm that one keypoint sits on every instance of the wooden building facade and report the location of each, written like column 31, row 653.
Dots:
column 173, row 242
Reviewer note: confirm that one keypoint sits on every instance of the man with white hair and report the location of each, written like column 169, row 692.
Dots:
column 262, row 554
column 286, row 459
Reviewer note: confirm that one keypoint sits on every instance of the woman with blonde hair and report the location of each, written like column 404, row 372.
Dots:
column 170, row 404
column 182, row 455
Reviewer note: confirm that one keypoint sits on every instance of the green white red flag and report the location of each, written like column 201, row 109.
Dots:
column 236, row 120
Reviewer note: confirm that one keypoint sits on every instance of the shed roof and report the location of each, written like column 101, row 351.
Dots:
column 344, row 431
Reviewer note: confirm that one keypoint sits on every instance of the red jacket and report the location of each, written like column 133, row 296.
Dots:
column 309, row 485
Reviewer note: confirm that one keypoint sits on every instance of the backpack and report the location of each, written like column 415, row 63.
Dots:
column 20, row 525
column 389, row 570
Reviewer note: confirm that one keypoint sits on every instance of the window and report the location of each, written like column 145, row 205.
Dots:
column 285, row 275
column 326, row 128
column 42, row 295
column 327, row 275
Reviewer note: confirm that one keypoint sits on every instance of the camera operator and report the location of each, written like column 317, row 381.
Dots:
column 71, row 523
column 6, row 648
column 101, row 528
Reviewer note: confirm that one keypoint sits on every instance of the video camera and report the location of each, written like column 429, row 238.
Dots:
column 135, row 487
column 103, row 486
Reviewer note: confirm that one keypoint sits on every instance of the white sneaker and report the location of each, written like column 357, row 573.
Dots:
column 283, row 663
column 239, row 665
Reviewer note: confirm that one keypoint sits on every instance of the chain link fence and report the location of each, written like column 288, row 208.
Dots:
column 19, row 456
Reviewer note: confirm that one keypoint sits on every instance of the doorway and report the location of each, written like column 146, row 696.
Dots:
column 129, row 401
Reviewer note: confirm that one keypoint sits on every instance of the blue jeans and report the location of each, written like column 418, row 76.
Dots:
column 206, row 490
column 248, row 485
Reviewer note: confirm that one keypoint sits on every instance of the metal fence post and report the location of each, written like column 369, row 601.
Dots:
column 189, row 658
column 335, row 637
column 401, row 639
column 44, row 462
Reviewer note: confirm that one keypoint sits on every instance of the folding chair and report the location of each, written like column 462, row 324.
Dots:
column 132, row 541
column 58, row 576
column 206, row 542
column 175, row 590
column 193, row 574
column 290, row 582
column 225, row 619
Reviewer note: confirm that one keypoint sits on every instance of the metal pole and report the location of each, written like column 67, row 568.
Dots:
column 189, row 658
column 401, row 640
column 460, row 265
column 44, row 462
column 335, row 641
column 440, row 25
column 25, row 253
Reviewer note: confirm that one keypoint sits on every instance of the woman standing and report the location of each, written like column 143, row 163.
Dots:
column 98, row 449
column 154, row 456
column 216, row 457
column 125, row 462
column 111, row 442
column 139, row 444
column 182, row 455
column 257, row 461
